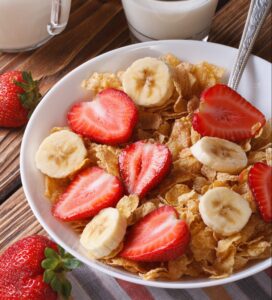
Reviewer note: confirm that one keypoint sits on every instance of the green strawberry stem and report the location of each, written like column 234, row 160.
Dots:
column 56, row 265
column 31, row 96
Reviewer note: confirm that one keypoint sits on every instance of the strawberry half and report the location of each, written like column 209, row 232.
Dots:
column 159, row 236
column 92, row 190
column 109, row 118
column 260, row 178
column 143, row 165
column 225, row 114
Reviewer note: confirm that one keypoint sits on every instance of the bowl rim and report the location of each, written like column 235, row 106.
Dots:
column 202, row 282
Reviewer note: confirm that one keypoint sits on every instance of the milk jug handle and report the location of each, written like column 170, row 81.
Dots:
column 59, row 16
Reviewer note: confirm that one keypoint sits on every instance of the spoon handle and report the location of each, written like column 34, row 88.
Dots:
column 257, row 12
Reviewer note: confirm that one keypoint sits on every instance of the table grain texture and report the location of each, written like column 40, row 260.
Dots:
column 95, row 26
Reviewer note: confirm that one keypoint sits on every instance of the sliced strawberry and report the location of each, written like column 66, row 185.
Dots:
column 92, row 190
column 225, row 114
column 143, row 165
column 109, row 118
column 260, row 179
column 159, row 236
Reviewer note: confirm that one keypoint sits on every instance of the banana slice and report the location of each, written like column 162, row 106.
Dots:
column 104, row 232
column 219, row 154
column 148, row 82
column 60, row 154
column 223, row 210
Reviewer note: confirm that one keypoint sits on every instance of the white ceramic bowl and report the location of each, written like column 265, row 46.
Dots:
column 255, row 86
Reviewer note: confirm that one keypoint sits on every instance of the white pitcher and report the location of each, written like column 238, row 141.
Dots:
column 27, row 24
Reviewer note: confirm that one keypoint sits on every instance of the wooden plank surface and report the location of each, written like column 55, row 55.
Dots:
column 228, row 26
column 95, row 26
column 17, row 220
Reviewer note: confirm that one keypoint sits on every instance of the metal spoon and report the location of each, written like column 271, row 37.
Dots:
column 257, row 12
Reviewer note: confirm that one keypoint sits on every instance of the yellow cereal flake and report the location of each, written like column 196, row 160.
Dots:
column 142, row 211
column 264, row 138
column 180, row 137
column 189, row 163
column 268, row 156
column 130, row 265
column 175, row 192
column 209, row 173
column 54, row 187
column 193, row 104
column 155, row 274
column 127, row 205
column 256, row 156
column 100, row 81
column 203, row 243
column 171, row 60
column 184, row 81
column 226, row 177
column 178, row 267
column 207, row 74
column 180, row 106
column 149, row 120
column 107, row 158
column 198, row 183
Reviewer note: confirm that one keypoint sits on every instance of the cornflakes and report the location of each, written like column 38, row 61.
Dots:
column 127, row 205
column 100, row 81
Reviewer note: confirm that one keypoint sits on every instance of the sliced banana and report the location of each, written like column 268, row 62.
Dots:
column 219, row 154
column 104, row 232
column 223, row 210
column 148, row 81
column 60, row 154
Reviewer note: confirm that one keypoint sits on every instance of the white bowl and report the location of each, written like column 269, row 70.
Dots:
column 255, row 86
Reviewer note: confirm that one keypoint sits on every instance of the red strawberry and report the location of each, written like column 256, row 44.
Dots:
column 260, row 179
column 109, row 118
column 225, row 114
column 22, row 274
column 143, row 165
column 159, row 236
column 19, row 95
column 92, row 190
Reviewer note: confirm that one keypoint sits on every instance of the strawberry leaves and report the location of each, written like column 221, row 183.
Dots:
column 31, row 95
column 56, row 265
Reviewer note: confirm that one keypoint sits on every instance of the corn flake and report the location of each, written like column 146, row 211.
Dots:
column 130, row 265
column 207, row 74
column 100, row 81
column 155, row 274
column 149, row 120
column 127, row 205
column 175, row 192
column 268, row 156
column 54, row 187
column 107, row 158
column 180, row 137
column 142, row 211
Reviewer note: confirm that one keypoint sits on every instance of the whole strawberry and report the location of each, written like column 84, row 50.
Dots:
column 33, row 269
column 19, row 95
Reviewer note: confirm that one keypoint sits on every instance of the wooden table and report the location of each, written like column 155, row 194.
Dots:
column 95, row 26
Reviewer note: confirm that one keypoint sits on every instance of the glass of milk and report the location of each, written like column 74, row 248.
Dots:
column 169, row 19
column 27, row 24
